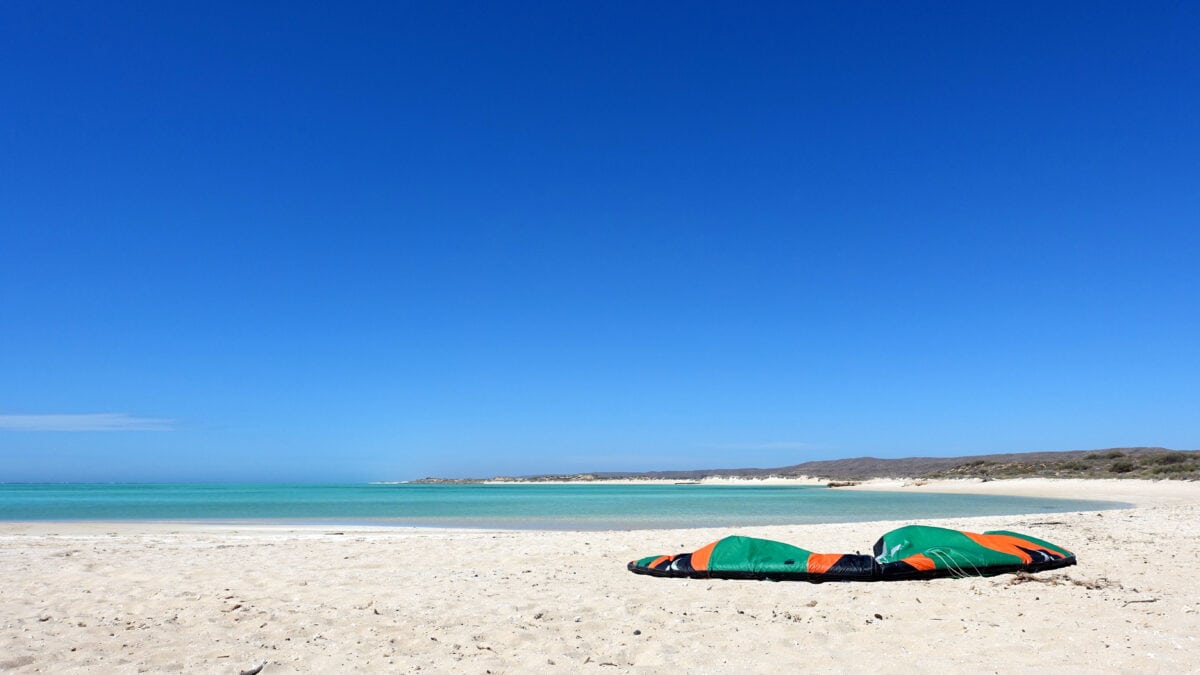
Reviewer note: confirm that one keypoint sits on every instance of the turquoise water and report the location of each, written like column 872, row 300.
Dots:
column 505, row 506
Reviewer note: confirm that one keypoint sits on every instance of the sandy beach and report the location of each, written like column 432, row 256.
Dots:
column 165, row 597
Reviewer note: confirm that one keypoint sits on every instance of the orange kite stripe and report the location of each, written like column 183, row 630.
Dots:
column 921, row 562
column 701, row 557
column 819, row 563
column 1008, row 544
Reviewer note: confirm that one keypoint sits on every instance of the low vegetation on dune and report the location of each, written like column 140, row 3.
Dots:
column 1139, row 462
column 1101, row 464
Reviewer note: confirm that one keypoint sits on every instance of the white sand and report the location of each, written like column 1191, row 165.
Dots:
column 99, row 597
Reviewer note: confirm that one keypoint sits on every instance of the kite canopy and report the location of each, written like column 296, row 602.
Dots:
column 912, row 552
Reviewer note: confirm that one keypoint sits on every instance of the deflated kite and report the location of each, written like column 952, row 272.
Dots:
column 912, row 552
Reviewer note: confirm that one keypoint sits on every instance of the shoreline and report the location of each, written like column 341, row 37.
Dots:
column 171, row 597
column 1139, row 492
column 1129, row 490
column 1022, row 488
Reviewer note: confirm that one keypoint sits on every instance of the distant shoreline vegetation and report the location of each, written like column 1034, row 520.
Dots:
column 1135, row 462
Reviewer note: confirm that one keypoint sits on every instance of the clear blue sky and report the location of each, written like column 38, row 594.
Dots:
column 387, row 240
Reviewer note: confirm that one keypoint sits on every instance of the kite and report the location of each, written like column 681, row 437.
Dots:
column 911, row 552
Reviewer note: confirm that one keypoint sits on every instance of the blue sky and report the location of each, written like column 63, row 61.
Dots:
column 389, row 240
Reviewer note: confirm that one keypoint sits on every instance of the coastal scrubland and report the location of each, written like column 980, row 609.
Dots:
column 1135, row 462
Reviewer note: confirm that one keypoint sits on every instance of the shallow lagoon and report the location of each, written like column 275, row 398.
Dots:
column 508, row 506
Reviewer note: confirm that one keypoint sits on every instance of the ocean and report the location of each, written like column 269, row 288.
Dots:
column 521, row 506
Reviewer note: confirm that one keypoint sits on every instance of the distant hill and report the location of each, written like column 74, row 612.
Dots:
column 1140, row 462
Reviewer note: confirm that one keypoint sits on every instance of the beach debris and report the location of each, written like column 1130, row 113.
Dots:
column 1063, row 579
column 1132, row 602
column 254, row 671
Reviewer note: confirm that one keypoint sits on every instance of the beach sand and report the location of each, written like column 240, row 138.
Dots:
column 162, row 597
